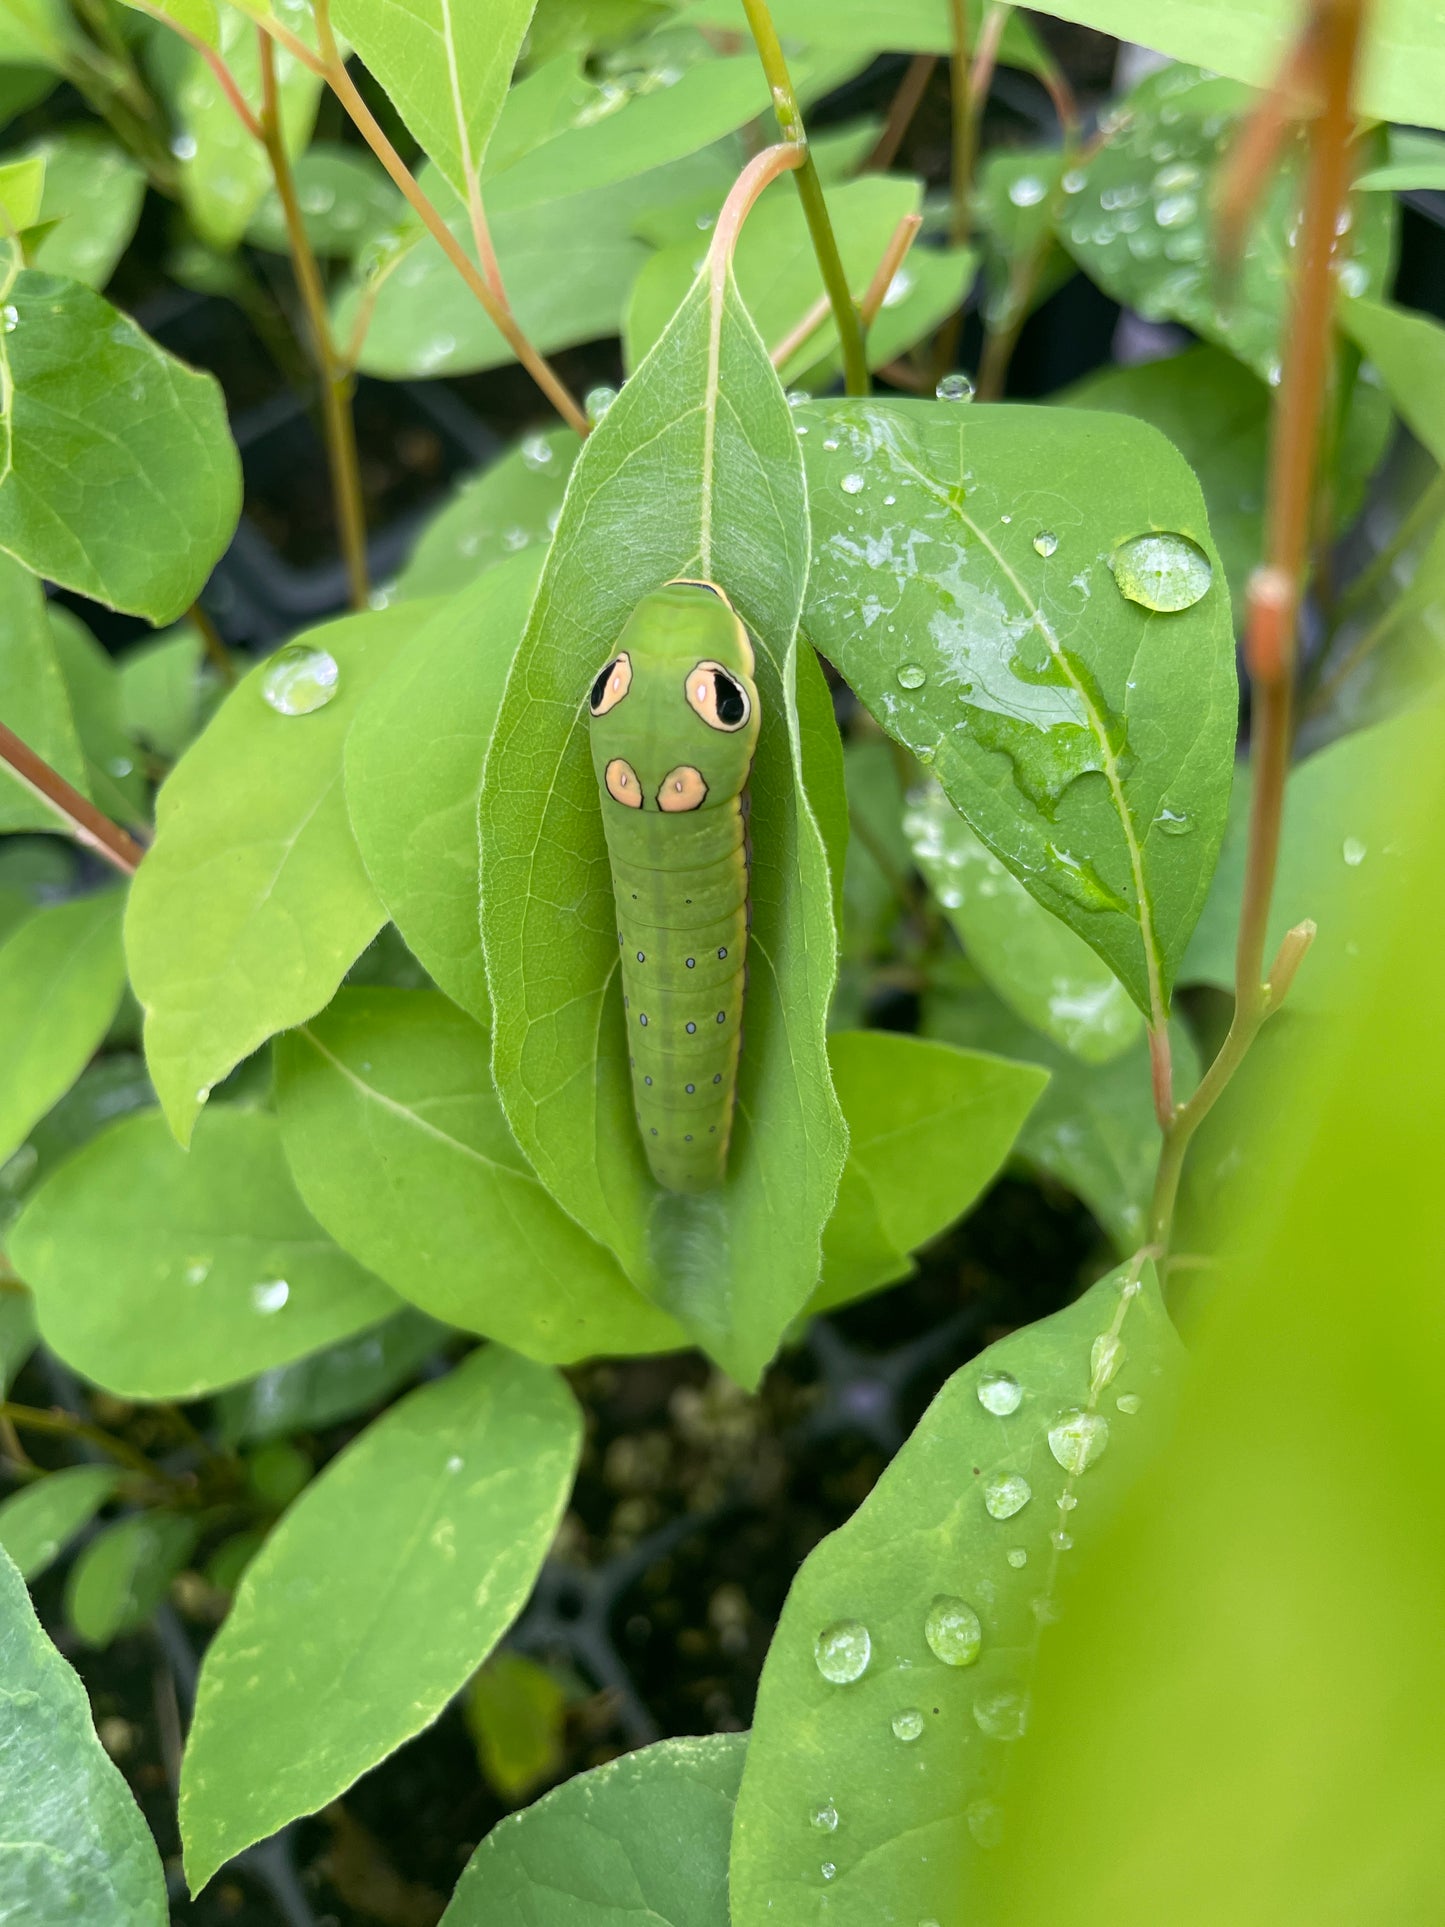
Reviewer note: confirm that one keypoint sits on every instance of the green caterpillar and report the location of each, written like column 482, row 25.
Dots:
column 674, row 725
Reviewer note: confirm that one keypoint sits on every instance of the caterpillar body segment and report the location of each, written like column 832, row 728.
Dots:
column 674, row 724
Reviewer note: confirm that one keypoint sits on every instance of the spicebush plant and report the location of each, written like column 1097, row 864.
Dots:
column 326, row 1096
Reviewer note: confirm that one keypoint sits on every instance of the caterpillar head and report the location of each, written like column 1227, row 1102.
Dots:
column 674, row 709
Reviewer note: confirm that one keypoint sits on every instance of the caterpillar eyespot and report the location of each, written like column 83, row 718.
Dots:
column 678, row 853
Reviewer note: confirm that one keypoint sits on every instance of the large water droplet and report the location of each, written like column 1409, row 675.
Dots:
column 1353, row 851
column 953, row 1631
column 1128, row 1403
column 825, row 1817
column 598, row 401
column 955, row 387
column 1027, row 191
column 271, row 1295
column 1105, row 1358
column 908, row 1725
column 1045, row 542
column 912, row 675
column 852, row 484
column 1173, row 822
column 1005, row 1495
column 299, row 679
column 842, row 1651
column 1000, row 1393
column 1002, row 1716
column 1078, row 1439
column 1164, row 572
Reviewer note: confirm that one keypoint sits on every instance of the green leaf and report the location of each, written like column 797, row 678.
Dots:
column 1416, row 161
column 878, row 857
column 160, row 689
column 1046, row 973
column 109, row 1088
column 338, row 1382
column 37, row 30
column 544, row 103
column 914, row 26
column 700, row 486
column 1216, row 413
column 18, row 1335
column 445, row 65
column 777, row 268
column 1403, row 74
column 928, row 1128
column 1138, row 222
column 689, row 108
column 640, row 1842
column 61, row 975
column 345, row 199
column 1409, row 351
column 1190, row 1762
column 398, row 1143
column 824, row 779
column 253, row 899
column 161, row 1275
column 93, row 192
column 199, row 16
column 33, row 699
column 118, row 475
column 414, row 774
column 512, row 505
column 461, row 1487
column 22, row 184
column 1094, row 1130
column 40, row 1520
column 961, row 581
column 878, row 1755
column 112, row 781
column 73, row 1845
column 1331, row 868
column 427, row 322
column 516, row 1712
column 225, row 173
column 121, row 1575
column 1018, row 198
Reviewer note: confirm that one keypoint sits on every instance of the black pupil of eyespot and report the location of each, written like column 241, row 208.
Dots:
column 731, row 704
column 599, row 688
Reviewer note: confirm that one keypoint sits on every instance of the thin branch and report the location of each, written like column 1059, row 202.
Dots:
column 222, row 661
column 810, row 193
column 761, row 171
column 30, row 1418
column 335, row 378
column 79, row 817
column 1323, row 66
column 894, row 255
column 905, row 104
column 541, row 371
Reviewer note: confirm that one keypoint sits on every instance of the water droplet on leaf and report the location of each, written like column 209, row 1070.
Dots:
column 1105, row 1358
column 1353, row 851
column 1000, row 1393
column 1173, row 822
column 953, row 1631
column 1078, row 1439
column 1045, row 542
column 955, row 387
column 299, row 679
column 842, row 1651
column 825, row 1817
column 536, row 453
column 1017, row 1556
column 1002, row 1716
column 985, row 1823
column 1027, row 191
column 911, row 675
column 598, row 401
column 271, row 1295
column 908, row 1725
column 1164, row 572
column 1005, row 1495
column 852, row 484
column 1128, row 1403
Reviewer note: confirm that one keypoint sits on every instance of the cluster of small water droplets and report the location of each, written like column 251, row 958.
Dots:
column 299, row 679
column 1078, row 1439
column 842, row 1651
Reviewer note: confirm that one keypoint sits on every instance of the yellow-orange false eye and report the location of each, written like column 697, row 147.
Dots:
column 622, row 784
column 683, row 788
column 614, row 680
column 718, row 697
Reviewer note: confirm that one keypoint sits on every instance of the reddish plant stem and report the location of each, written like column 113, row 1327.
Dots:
column 79, row 816
column 1323, row 68
column 905, row 103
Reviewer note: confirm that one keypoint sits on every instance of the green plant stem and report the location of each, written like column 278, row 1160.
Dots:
column 810, row 193
column 222, row 661
column 30, row 1418
column 1326, row 58
column 336, row 378
column 78, row 815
